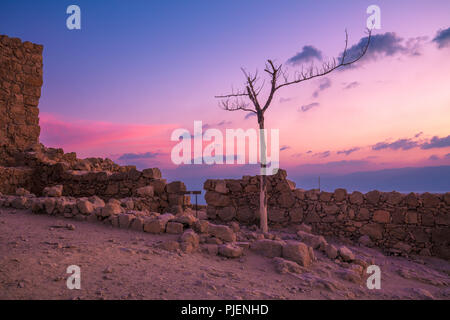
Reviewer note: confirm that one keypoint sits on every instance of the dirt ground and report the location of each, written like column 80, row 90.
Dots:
column 35, row 251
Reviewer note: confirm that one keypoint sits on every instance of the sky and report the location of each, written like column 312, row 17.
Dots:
column 138, row 70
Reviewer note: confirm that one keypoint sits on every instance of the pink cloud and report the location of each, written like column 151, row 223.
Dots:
column 99, row 138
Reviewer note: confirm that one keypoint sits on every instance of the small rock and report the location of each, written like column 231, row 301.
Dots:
column 331, row 251
column 55, row 191
column 285, row 266
column 346, row 254
column 230, row 251
column 298, row 252
column 174, row 227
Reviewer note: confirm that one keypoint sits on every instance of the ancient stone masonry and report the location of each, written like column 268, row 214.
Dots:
column 20, row 90
column 25, row 163
column 400, row 223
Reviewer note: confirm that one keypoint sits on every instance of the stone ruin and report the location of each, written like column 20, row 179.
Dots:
column 27, row 164
column 400, row 223
column 47, row 180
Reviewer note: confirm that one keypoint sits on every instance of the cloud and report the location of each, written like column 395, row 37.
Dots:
column 135, row 156
column 330, row 167
column 433, row 157
column 407, row 144
column 348, row 151
column 351, row 85
column 283, row 100
column 436, row 142
column 447, row 156
column 284, row 148
column 99, row 138
column 324, row 84
column 308, row 107
column 324, row 154
column 385, row 45
column 442, row 38
column 219, row 124
column 308, row 54
column 249, row 115
column 224, row 123
column 403, row 144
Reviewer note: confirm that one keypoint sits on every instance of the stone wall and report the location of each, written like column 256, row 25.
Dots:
column 25, row 163
column 400, row 223
column 20, row 90
column 13, row 178
column 160, row 196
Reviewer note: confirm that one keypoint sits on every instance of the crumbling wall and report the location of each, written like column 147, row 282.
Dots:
column 400, row 223
column 20, row 90
column 159, row 195
column 25, row 163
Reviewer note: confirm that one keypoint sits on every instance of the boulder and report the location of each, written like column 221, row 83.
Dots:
column 201, row 226
column 267, row 248
column 152, row 173
column 381, row 216
column 19, row 202
column 230, row 251
column 210, row 248
column 85, row 207
column 331, row 251
column 346, row 254
column 356, row 197
column 305, row 228
column 174, row 227
column 245, row 214
column 373, row 197
column 55, row 191
column 296, row 214
column 176, row 187
column 285, row 266
column 365, row 241
column 394, row 197
column 312, row 240
column 189, row 241
column 49, row 205
column 430, row 200
column 221, row 187
column 111, row 208
column 217, row 199
column 22, row 192
column 97, row 202
column 227, row 213
column 298, row 252
column 137, row 224
column 340, row 195
column 373, row 230
column 325, row 196
column 125, row 220
column 157, row 225
column 411, row 217
column 286, row 199
column 277, row 215
column 186, row 219
column 145, row 192
column 221, row 232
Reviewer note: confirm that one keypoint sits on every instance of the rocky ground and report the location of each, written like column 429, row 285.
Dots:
column 35, row 251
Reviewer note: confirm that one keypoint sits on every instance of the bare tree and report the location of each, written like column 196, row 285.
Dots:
column 248, row 100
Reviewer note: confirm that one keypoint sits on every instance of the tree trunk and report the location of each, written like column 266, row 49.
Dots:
column 262, row 178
